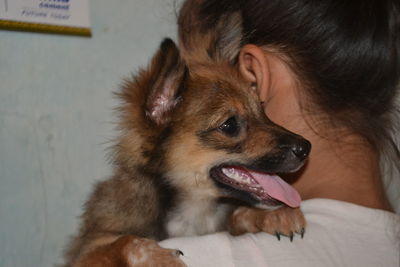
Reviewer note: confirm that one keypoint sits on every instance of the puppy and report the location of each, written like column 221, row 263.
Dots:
column 194, row 145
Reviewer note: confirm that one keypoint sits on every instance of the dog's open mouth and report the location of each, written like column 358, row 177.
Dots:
column 266, row 188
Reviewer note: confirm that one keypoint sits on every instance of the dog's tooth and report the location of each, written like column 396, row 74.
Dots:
column 235, row 176
column 227, row 172
column 246, row 178
column 239, row 176
column 230, row 172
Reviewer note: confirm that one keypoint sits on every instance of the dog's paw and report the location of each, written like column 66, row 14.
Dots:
column 131, row 251
column 283, row 221
column 142, row 252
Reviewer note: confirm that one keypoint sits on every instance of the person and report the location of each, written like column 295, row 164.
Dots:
column 327, row 70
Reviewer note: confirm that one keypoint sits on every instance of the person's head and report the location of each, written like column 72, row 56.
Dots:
column 344, row 55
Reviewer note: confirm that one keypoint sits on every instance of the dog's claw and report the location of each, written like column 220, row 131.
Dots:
column 302, row 231
column 278, row 235
column 291, row 236
column 178, row 253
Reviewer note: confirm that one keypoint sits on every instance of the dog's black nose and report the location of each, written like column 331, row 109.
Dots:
column 298, row 145
column 302, row 149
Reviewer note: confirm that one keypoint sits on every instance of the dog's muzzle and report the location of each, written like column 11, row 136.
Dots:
column 290, row 156
column 257, row 182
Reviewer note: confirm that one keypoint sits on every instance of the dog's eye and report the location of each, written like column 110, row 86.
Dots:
column 230, row 127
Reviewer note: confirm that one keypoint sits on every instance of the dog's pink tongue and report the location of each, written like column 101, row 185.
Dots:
column 277, row 188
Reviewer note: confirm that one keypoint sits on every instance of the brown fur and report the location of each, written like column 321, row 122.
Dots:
column 131, row 251
column 200, row 41
column 284, row 221
column 170, row 139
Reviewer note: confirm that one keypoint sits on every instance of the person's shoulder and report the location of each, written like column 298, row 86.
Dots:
column 344, row 214
column 337, row 234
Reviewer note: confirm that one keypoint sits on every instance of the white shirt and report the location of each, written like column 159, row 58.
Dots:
column 337, row 234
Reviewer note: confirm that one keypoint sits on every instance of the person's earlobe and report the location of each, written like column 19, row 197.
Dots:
column 253, row 65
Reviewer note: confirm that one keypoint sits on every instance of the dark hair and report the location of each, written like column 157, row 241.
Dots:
column 346, row 51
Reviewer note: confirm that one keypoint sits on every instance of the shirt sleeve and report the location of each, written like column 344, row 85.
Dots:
column 337, row 234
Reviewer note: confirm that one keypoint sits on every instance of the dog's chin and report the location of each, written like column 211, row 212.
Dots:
column 258, row 189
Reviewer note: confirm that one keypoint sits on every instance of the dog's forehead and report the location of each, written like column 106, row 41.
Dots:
column 222, row 79
column 219, row 80
column 217, row 89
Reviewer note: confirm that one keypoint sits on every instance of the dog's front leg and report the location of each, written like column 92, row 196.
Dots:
column 129, row 251
column 283, row 221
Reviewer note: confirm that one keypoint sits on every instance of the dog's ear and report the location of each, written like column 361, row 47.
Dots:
column 167, row 72
column 204, row 38
column 227, row 39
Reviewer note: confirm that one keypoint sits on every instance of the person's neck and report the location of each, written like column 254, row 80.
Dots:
column 341, row 165
column 346, row 169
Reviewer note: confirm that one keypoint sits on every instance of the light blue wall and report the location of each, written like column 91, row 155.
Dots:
column 55, row 120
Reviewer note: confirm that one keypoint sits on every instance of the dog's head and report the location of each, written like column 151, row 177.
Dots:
column 202, row 127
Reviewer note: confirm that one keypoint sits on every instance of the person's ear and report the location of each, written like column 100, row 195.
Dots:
column 253, row 65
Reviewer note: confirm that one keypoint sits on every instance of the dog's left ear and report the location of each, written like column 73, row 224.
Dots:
column 167, row 72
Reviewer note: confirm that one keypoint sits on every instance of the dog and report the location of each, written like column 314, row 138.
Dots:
column 196, row 155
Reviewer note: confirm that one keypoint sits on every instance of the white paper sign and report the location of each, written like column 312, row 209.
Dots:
column 70, row 13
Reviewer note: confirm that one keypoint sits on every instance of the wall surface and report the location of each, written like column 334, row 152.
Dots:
column 56, row 120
